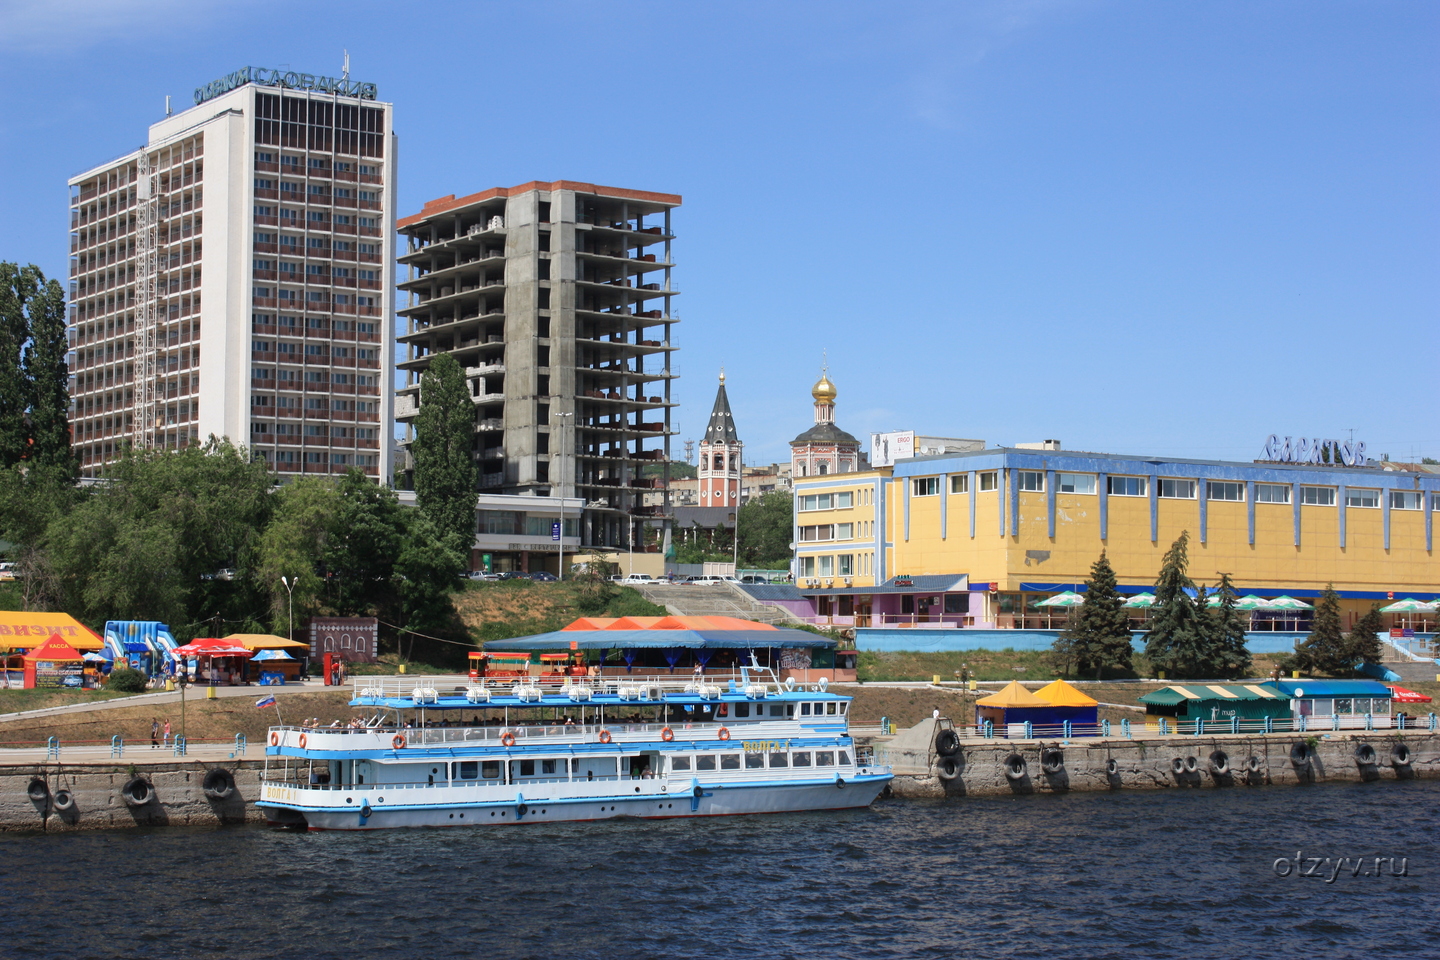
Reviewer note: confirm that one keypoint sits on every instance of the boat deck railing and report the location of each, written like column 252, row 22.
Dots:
column 318, row 738
column 638, row 688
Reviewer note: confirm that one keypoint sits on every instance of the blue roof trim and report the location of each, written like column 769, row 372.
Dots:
column 1332, row 688
column 1084, row 462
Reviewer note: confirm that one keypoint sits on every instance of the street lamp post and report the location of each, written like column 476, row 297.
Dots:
column 559, row 417
column 290, row 589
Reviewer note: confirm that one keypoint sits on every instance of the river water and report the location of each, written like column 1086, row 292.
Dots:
column 1179, row 873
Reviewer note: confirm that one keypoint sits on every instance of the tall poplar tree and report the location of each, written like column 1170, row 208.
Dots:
column 17, row 287
column 445, row 473
column 1098, row 634
column 49, row 380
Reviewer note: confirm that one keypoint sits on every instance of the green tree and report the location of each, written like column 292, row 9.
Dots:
column 1097, row 634
column 1363, row 643
column 1325, row 650
column 426, row 577
column 766, row 529
column 445, row 474
column 145, row 545
column 49, row 380
column 17, row 288
column 294, row 545
column 364, row 543
column 1232, row 657
column 1179, row 640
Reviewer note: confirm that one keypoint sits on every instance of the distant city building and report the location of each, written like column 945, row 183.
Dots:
column 887, row 448
column 232, row 277
column 556, row 300
column 824, row 448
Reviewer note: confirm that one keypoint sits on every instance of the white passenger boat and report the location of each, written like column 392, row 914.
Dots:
column 455, row 752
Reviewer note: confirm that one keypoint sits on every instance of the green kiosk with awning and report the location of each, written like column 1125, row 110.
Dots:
column 1217, row 702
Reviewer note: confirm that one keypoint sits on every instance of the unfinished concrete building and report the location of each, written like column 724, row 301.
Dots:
column 556, row 300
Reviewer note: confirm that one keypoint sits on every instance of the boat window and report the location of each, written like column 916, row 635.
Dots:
column 742, row 709
column 844, row 758
column 832, row 708
column 754, row 761
column 575, row 765
column 729, row 761
column 705, row 762
column 547, row 766
column 789, row 709
column 824, row 758
column 804, row 709
column 465, row 770
column 679, row 763
column 801, row 758
column 779, row 760
column 490, row 769
column 777, row 709
column 527, row 768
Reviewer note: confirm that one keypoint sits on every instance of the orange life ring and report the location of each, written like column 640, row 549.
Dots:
column 274, row 739
column 604, row 736
column 667, row 734
column 507, row 739
column 398, row 741
column 724, row 734
column 303, row 741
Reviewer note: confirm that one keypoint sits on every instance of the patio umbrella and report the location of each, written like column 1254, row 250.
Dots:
column 272, row 655
column 1285, row 603
column 1409, row 605
column 208, row 647
column 1067, row 599
column 1250, row 602
column 1141, row 601
column 1402, row 695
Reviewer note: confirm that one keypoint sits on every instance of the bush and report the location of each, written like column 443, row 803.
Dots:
column 126, row 680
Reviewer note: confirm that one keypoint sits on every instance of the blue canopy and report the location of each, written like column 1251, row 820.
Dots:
column 1331, row 688
column 271, row 655
column 660, row 639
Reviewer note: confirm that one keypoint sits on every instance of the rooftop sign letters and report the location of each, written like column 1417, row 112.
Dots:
column 341, row 86
column 1306, row 450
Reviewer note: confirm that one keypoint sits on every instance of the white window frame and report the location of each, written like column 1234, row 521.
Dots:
column 924, row 486
column 1142, row 486
column 1080, row 484
column 1265, row 492
column 1362, row 498
column 1174, row 485
column 1228, row 486
column 989, row 480
column 1311, row 496
column 960, row 483
column 1030, row 481
column 1406, row 500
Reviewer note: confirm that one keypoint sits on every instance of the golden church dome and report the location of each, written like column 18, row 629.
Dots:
column 823, row 389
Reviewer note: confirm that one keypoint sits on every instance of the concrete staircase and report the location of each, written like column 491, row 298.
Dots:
column 715, row 600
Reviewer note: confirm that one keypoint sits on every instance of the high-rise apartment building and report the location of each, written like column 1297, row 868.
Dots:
column 556, row 300
column 232, row 277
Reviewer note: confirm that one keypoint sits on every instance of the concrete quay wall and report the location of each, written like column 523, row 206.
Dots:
column 54, row 796
column 989, row 768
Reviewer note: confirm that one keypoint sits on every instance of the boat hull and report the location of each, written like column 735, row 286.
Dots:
column 719, row 800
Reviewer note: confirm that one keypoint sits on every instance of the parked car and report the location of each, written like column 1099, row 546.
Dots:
column 7, row 571
column 638, row 578
column 543, row 576
column 485, row 575
column 228, row 573
column 752, row 578
column 512, row 575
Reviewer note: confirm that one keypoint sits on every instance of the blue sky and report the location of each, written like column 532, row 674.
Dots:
column 1142, row 228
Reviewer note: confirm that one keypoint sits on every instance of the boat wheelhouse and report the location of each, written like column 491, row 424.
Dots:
column 453, row 751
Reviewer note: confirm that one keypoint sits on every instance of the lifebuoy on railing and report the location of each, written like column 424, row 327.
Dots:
column 604, row 736
column 398, row 741
column 274, row 738
column 724, row 734
column 667, row 734
column 303, row 740
column 507, row 739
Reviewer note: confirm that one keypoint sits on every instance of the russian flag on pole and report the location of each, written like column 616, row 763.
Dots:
column 265, row 702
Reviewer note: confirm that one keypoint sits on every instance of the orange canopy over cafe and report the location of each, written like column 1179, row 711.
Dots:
column 21, row 630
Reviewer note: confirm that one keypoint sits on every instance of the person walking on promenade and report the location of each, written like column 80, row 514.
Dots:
column 166, row 731
column 154, row 733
